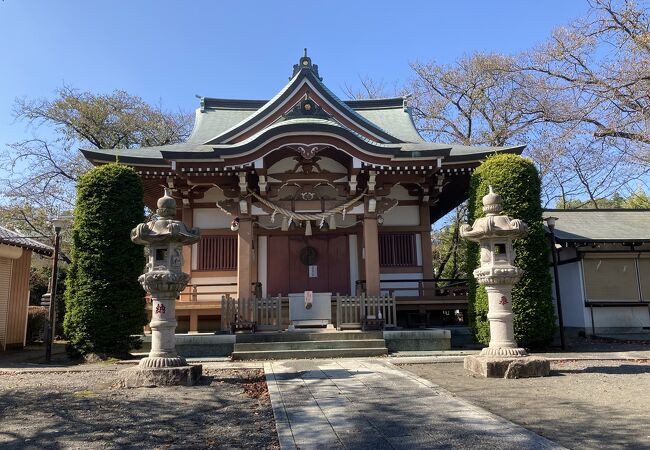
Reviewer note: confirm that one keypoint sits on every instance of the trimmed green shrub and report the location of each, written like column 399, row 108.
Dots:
column 517, row 181
column 104, row 301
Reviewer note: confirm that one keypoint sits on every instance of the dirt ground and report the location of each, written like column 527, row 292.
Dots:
column 582, row 405
column 230, row 409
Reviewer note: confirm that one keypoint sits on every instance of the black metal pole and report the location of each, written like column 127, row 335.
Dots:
column 49, row 337
column 557, row 289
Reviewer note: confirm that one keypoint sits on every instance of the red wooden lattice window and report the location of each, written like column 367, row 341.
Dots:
column 397, row 250
column 217, row 253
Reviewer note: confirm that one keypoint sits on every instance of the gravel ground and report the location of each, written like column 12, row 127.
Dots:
column 230, row 409
column 582, row 405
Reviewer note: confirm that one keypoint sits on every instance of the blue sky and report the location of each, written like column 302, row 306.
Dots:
column 168, row 51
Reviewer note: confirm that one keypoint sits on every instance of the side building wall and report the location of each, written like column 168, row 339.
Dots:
column 613, row 297
column 14, row 296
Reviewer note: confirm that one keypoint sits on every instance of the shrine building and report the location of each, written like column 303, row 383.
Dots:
column 308, row 192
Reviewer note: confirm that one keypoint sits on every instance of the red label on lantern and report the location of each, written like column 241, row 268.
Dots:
column 503, row 301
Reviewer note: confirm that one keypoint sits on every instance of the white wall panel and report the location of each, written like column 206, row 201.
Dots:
column 354, row 262
column 573, row 303
column 262, row 270
column 620, row 317
column 400, row 284
column 211, row 218
column 195, row 256
column 212, row 195
column 400, row 193
column 402, row 216
column 9, row 251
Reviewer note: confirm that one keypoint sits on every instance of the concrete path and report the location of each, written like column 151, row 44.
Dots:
column 371, row 404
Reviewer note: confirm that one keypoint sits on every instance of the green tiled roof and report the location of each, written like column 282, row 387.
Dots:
column 211, row 122
column 387, row 124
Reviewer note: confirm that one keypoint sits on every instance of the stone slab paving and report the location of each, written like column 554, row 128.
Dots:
column 371, row 404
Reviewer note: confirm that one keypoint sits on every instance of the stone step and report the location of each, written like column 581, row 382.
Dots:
column 310, row 345
column 310, row 354
column 292, row 336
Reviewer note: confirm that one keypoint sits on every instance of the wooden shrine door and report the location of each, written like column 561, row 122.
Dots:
column 308, row 263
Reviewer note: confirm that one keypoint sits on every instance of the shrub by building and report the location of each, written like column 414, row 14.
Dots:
column 517, row 181
column 104, row 301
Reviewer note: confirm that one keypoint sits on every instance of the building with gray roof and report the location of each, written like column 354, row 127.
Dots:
column 604, row 269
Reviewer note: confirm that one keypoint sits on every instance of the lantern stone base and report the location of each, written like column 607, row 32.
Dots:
column 160, row 376
column 508, row 367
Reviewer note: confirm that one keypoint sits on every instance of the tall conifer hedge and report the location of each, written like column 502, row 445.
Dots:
column 104, row 301
column 517, row 181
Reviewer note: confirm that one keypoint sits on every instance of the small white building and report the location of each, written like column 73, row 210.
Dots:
column 604, row 269
column 15, row 262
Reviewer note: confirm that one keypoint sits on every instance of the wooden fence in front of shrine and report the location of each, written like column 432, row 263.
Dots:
column 352, row 310
column 272, row 313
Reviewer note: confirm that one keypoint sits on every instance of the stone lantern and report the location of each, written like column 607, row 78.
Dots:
column 164, row 280
column 495, row 234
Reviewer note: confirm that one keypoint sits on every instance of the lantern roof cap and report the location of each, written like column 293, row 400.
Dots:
column 494, row 224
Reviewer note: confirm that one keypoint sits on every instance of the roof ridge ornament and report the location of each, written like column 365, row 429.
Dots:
column 305, row 63
column 306, row 108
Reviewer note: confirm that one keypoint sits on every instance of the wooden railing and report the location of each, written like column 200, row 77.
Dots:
column 351, row 310
column 212, row 292
column 207, row 292
column 442, row 292
column 266, row 312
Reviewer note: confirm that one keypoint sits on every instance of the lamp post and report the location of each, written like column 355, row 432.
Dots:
column 57, row 224
column 550, row 221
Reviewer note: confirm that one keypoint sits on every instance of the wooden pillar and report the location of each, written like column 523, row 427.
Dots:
column 428, row 289
column 371, row 254
column 188, row 219
column 194, row 322
column 244, row 253
column 427, row 254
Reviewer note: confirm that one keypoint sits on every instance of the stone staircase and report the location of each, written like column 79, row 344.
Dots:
column 306, row 345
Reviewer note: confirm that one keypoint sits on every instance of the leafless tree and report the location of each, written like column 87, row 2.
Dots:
column 39, row 172
column 371, row 88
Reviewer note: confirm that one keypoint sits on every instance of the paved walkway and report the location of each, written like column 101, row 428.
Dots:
column 371, row 404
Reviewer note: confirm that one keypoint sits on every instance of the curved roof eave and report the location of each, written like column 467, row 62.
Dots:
column 162, row 155
column 134, row 157
column 296, row 127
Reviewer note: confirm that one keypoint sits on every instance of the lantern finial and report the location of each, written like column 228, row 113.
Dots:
column 492, row 203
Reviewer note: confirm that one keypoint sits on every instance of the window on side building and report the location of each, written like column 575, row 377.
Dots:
column 611, row 279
